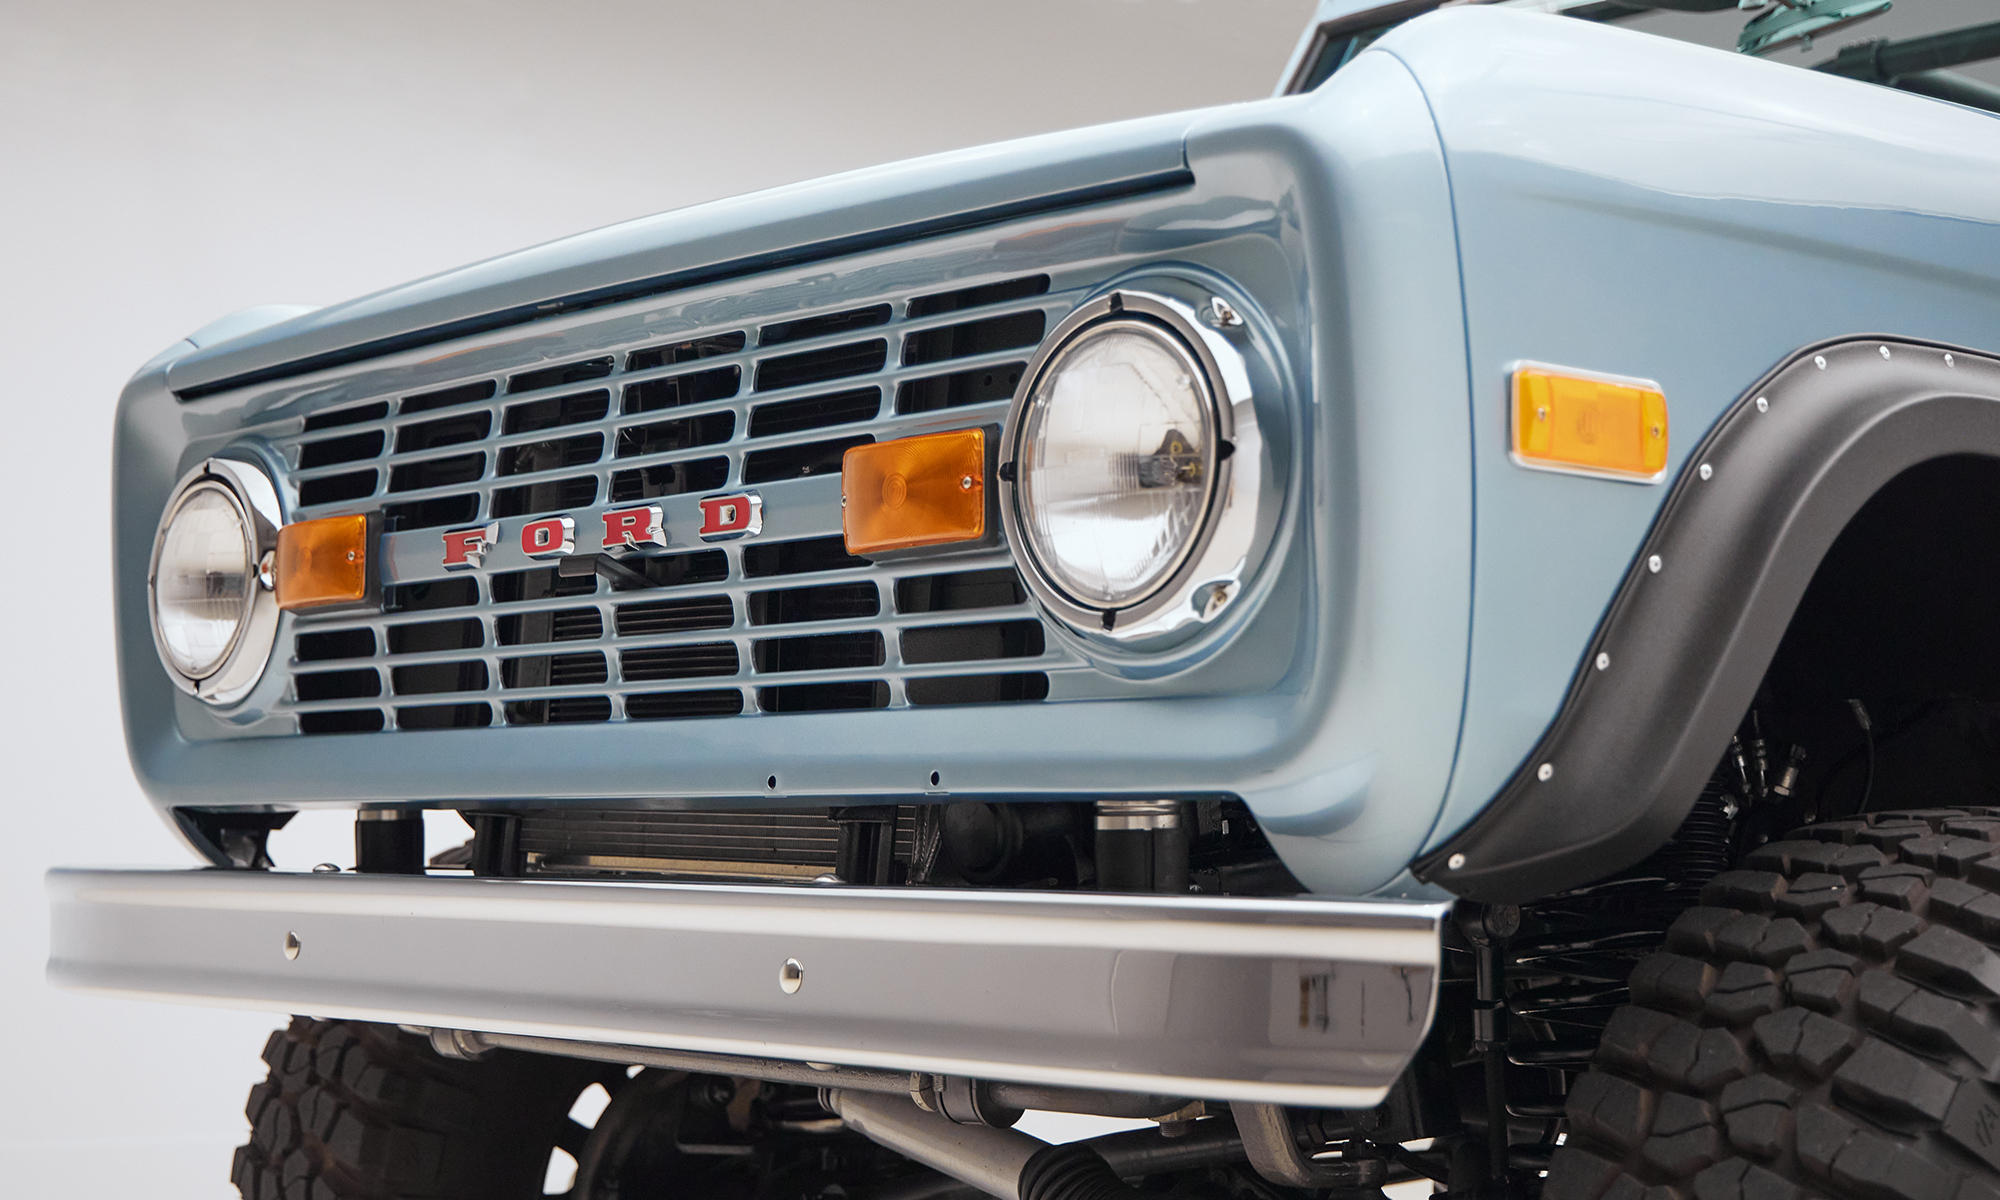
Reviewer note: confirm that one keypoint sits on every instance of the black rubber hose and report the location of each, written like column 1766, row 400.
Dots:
column 1071, row 1172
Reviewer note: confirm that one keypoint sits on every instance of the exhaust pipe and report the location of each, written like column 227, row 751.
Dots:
column 1000, row 1162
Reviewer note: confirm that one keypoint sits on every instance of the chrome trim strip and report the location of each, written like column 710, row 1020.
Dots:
column 1315, row 1002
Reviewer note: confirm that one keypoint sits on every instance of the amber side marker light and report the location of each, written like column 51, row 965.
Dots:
column 914, row 491
column 322, row 562
column 1585, row 423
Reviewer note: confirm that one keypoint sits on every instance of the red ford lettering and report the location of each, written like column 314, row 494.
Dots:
column 641, row 526
column 725, row 518
column 465, row 549
column 549, row 538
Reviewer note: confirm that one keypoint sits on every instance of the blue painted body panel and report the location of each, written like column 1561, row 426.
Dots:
column 1480, row 187
column 1650, row 208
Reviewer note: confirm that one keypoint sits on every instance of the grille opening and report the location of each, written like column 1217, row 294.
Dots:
column 980, row 386
column 445, row 716
column 361, row 720
column 823, row 697
column 812, row 366
column 975, row 297
column 1008, row 332
column 332, row 489
column 437, row 472
column 677, row 662
column 798, row 558
column 563, row 710
column 817, row 652
column 554, row 496
column 552, row 455
column 425, row 679
column 814, row 412
column 695, row 387
column 337, row 643
column 827, row 602
column 539, row 583
column 328, row 451
column 674, row 616
column 959, row 590
column 668, row 479
column 348, row 416
column 978, row 689
column 664, row 437
column 966, row 643
column 557, row 625
column 556, row 411
column 428, row 514
column 676, row 570
column 576, row 372
column 798, row 462
column 681, row 352
column 553, row 670
column 823, row 326
column 461, row 634
column 336, row 685
column 670, row 706
column 464, row 393
column 445, row 431
column 422, row 597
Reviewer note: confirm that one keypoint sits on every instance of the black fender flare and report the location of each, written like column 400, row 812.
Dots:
column 1707, row 600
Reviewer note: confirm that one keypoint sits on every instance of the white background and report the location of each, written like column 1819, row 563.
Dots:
column 161, row 165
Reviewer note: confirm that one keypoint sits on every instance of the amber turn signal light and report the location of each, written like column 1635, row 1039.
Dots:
column 914, row 491
column 1576, row 421
column 322, row 562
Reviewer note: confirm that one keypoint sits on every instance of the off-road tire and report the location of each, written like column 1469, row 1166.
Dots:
column 1822, row 1024
column 355, row 1111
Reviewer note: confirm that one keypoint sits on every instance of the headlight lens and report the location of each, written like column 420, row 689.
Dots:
column 215, row 618
column 1117, row 462
column 202, row 587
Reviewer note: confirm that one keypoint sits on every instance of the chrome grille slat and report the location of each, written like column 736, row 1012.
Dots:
column 807, row 498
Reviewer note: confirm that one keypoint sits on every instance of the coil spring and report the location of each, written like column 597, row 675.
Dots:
column 1582, row 945
column 1596, row 934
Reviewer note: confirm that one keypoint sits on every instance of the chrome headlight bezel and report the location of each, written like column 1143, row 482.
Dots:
column 255, row 501
column 1213, row 564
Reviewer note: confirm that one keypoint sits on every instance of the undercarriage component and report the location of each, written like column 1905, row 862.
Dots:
column 230, row 838
column 1142, row 846
column 468, row 1044
column 1312, row 1002
column 389, row 841
column 1015, row 1166
column 1273, row 1148
column 989, row 1159
column 972, row 1102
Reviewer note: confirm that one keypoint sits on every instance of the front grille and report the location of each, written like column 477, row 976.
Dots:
column 780, row 624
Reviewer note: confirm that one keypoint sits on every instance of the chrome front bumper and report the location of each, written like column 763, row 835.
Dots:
column 1312, row 1002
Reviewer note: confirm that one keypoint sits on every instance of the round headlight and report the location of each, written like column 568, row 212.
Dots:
column 1125, row 463
column 1117, row 461
column 209, row 587
column 203, row 584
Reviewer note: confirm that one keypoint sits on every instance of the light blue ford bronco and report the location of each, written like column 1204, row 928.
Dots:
column 1439, row 626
